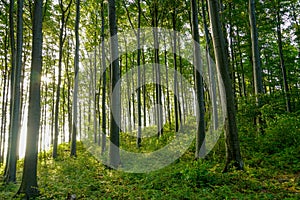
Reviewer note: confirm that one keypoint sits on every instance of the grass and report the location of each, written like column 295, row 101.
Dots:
column 272, row 170
column 87, row 178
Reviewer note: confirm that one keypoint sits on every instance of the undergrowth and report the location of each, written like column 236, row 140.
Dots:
column 272, row 169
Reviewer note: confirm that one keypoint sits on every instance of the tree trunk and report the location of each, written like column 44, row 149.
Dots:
column 282, row 61
column 231, row 133
column 76, row 80
column 257, row 71
column 62, row 38
column 159, row 115
column 29, row 185
column 5, row 90
column 211, row 72
column 114, row 153
column 103, row 80
column 15, row 115
column 69, row 103
column 241, row 64
column 168, row 106
column 144, row 86
column 176, row 94
column 139, row 132
column 94, row 86
column 232, row 52
column 200, row 135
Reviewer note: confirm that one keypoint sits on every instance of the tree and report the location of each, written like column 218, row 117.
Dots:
column 211, row 71
column 62, row 38
column 139, row 133
column 257, row 71
column 158, row 89
column 231, row 133
column 200, row 135
column 76, row 78
column 5, row 88
column 176, row 93
column 103, row 126
column 29, row 185
column 282, row 60
column 115, row 114
column 10, row 175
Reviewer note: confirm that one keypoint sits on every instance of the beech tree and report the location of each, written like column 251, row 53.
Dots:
column 232, row 144
column 257, row 71
column 139, row 132
column 65, row 13
column 200, row 135
column 103, row 125
column 10, row 175
column 29, row 185
column 76, row 70
column 115, row 114
column 282, row 60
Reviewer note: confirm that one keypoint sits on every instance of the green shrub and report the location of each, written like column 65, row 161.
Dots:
column 282, row 132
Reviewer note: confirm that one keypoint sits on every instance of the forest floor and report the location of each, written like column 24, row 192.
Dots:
column 275, row 176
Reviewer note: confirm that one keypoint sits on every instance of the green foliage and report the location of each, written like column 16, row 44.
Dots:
column 265, row 177
column 282, row 132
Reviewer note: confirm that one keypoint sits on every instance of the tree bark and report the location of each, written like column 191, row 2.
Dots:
column 257, row 71
column 139, row 132
column 282, row 61
column 159, row 115
column 76, row 80
column 62, row 38
column 231, row 133
column 15, row 99
column 114, row 153
column 103, row 148
column 29, row 185
column 200, row 135
column 176, row 94
column 211, row 72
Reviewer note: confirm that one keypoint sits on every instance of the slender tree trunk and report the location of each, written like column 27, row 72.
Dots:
column 15, row 115
column 29, row 180
column 76, row 81
column 62, row 114
column 132, row 95
column 69, row 103
column 4, row 98
column 176, row 94
column 103, row 80
column 62, row 38
column 94, row 86
column 80, row 120
column 232, row 52
column 200, row 135
column 128, row 84
column 114, row 153
column 231, row 133
column 159, row 115
column 53, row 110
column 181, row 114
column 144, row 86
column 282, row 61
column 139, row 132
column 241, row 63
column 211, row 72
column 168, row 106
column 257, row 71
column 12, row 76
